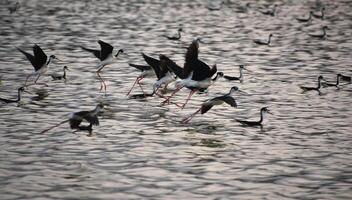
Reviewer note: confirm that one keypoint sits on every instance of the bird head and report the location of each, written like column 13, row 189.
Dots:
column 180, row 30
column 271, row 35
column 221, row 74
column 320, row 78
column 325, row 27
column 21, row 89
column 65, row 68
column 118, row 52
column 266, row 110
column 54, row 57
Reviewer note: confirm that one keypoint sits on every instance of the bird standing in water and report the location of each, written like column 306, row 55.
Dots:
column 305, row 88
column 77, row 118
column 146, row 70
column 105, row 56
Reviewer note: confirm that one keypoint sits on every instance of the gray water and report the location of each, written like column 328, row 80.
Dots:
column 141, row 150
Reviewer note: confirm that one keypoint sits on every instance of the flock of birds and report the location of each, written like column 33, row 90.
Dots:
column 195, row 75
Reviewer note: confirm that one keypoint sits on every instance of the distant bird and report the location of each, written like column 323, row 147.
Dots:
column 207, row 105
column 304, row 88
column 14, row 8
column 59, row 77
column 324, row 28
column 147, row 71
column 20, row 90
column 305, row 19
column 77, row 118
column 212, row 7
column 195, row 75
column 178, row 37
column 256, row 123
column 320, row 15
column 105, row 56
column 271, row 12
column 164, row 75
column 39, row 61
column 239, row 78
column 346, row 78
column 262, row 42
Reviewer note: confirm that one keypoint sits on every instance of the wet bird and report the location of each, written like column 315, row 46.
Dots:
column 207, row 105
column 271, row 12
column 14, row 8
column 77, row 118
column 195, row 75
column 147, row 71
column 262, row 42
column 105, row 55
column 59, row 77
column 305, row 19
column 322, row 35
column 256, row 123
column 320, row 15
column 39, row 61
column 304, row 88
column 233, row 78
column 178, row 37
column 20, row 90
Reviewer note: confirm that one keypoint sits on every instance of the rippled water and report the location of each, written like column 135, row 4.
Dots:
column 141, row 150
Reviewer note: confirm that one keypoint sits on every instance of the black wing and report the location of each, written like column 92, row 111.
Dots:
column 40, row 56
column 94, row 51
column 228, row 99
column 191, row 58
column 231, row 78
column 346, row 78
column 29, row 57
column 106, row 50
column 93, row 119
column 172, row 66
column 202, row 71
column 140, row 67
column 154, row 63
column 205, row 108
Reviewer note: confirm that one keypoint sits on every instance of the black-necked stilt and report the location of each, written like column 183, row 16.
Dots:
column 304, row 88
column 346, row 78
column 20, row 90
column 319, row 15
column 262, row 42
column 233, row 78
column 196, row 75
column 77, row 118
column 270, row 12
column 305, row 19
column 59, row 77
column 39, row 61
column 322, row 35
column 162, row 72
column 207, row 105
column 105, row 56
column 256, row 123
column 178, row 37
column 327, row 84
column 147, row 71
column 14, row 8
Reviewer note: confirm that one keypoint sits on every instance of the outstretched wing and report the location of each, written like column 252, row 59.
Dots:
column 106, row 49
column 172, row 66
column 191, row 58
column 29, row 57
column 205, row 108
column 39, row 56
column 92, row 119
column 94, row 51
column 140, row 67
column 227, row 99
column 154, row 63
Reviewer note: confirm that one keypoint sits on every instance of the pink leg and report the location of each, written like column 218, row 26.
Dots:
column 37, row 79
column 102, row 83
column 189, row 97
column 168, row 98
column 135, row 82
column 187, row 119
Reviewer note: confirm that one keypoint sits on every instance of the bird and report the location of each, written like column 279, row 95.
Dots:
column 271, row 12
column 195, row 75
column 346, row 78
column 147, row 71
column 320, row 15
column 207, row 105
column 261, row 42
column 256, row 123
column 233, row 78
column 327, row 84
column 59, row 77
column 324, row 28
column 20, row 90
column 14, row 8
column 76, row 118
column 105, row 55
column 39, row 61
column 178, row 37
column 305, row 19
column 304, row 88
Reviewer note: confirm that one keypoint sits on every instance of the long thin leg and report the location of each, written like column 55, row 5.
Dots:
column 135, row 82
column 161, row 96
column 25, row 83
column 167, row 100
column 140, row 86
column 102, row 82
column 187, row 119
column 36, row 79
column 188, row 98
